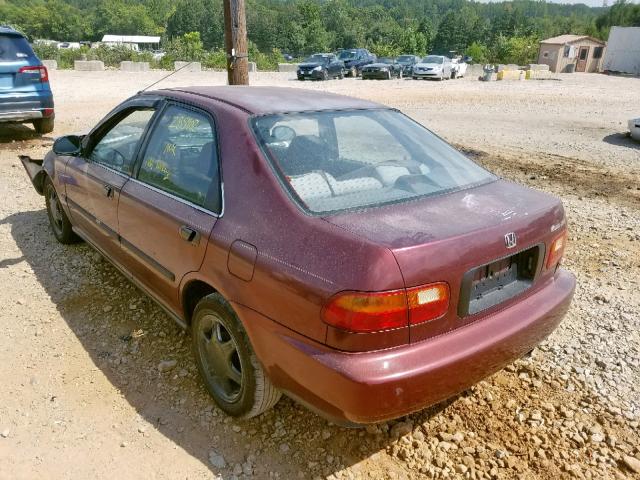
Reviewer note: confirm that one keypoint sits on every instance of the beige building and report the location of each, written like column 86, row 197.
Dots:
column 572, row 53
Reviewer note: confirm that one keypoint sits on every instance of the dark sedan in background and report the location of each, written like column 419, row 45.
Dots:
column 355, row 59
column 383, row 69
column 321, row 66
column 407, row 62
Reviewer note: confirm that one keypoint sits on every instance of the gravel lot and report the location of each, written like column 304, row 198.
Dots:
column 82, row 394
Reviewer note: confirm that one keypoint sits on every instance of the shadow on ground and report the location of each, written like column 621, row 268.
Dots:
column 14, row 132
column 622, row 140
column 126, row 336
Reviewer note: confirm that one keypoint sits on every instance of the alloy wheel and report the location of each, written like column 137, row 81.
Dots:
column 218, row 351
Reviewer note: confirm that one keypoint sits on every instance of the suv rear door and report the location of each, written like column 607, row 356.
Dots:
column 16, row 55
column 167, row 211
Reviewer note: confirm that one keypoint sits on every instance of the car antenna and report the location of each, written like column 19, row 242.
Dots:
column 164, row 78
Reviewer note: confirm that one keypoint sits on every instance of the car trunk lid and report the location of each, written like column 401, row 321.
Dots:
column 459, row 238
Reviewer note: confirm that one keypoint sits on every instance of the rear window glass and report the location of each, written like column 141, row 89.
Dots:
column 338, row 160
column 14, row 47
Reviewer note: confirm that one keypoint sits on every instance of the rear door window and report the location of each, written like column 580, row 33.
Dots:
column 181, row 158
column 13, row 48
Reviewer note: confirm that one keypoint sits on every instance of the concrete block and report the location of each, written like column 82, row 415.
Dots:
column 194, row 67
column 50, row 64
column 88, row 65
column 509, row 66
column 128, row 66
column 538, row 74
column 253, row 67
column 511, row 75
column 287, row 67
column 489, row 77
column 475, row 70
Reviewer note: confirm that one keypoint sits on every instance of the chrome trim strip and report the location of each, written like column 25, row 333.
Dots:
column 182, row 200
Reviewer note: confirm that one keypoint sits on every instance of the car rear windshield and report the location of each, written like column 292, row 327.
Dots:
column 14, row 47
column 347, row 54
column 337, row 160
column 432, row 59
column 316, row 59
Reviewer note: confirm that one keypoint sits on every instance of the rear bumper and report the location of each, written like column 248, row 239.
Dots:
column 22, row 107
column 375, row 75
column 314, row 75
column 377, row 386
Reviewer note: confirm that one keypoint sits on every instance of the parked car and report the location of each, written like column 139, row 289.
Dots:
column 433, row 66
column 354, row 59
column 407, row 62
column 321, row 66
column 25, row 94
column 383, row 68
column 634, row 128
column 458, row 68
column 343, row 226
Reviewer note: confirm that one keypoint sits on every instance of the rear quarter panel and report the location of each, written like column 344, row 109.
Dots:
column 301, row 260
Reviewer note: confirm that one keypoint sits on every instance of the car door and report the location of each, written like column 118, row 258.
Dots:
column 169, row 207
column 93, row 181
column 334, row 66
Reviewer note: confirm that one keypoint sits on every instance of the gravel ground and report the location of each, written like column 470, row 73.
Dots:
column 98, row 383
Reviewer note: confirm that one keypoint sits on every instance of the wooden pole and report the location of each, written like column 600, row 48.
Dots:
column 235, row 41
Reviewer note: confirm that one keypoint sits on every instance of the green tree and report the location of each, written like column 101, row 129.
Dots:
column 122, row 18
column 479, row 52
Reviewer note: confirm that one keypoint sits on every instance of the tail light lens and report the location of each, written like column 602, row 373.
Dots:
column 375, row 311
column 556, row 250
column 41, row 70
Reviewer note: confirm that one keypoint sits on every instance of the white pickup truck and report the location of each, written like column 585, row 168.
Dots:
column 458, row 68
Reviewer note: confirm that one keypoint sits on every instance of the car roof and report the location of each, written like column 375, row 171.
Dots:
column 9, row 31
column 265, row 100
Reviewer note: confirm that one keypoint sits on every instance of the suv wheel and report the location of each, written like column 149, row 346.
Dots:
column 226, row 361
column 43, row 125
column 60, row 224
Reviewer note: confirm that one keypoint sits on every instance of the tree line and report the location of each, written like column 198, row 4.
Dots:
column 490, row 32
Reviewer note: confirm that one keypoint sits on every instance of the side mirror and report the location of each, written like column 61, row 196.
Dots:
column 68, row 145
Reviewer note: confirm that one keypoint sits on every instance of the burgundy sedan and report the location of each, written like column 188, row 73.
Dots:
column 318, row 245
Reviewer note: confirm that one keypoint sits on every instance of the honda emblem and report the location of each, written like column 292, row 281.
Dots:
column 510, row 240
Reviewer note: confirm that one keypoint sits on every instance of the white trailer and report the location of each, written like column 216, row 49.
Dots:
column 623, row 51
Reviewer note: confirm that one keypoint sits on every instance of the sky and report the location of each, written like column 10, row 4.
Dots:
column 590, row 3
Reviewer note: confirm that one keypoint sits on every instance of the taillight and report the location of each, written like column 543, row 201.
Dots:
column 556, row 250
column 428, row 302
column 41, row 70
column 375, row 311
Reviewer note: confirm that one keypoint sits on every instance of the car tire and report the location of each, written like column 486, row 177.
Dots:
column 43, row 125
column 231, row 372
column 414, row 78
column 60, row 224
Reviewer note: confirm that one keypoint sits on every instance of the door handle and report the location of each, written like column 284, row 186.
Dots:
column 108, row 191
column 188, row 234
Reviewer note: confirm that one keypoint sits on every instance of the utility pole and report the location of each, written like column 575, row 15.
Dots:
column 235, row 42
